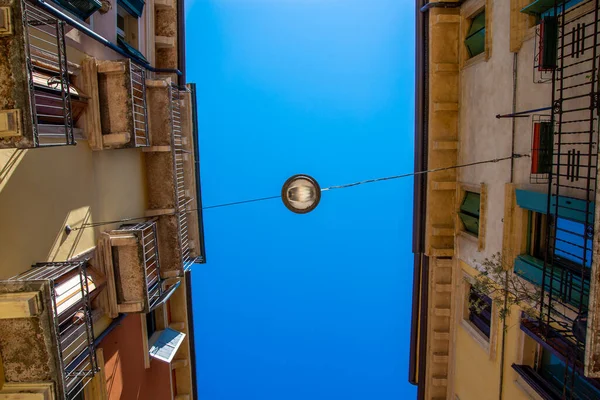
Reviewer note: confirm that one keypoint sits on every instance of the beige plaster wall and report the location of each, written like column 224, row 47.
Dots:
column 42, row 190
column 487, row 90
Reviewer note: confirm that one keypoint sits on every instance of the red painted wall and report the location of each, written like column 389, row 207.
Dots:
column 126, row 377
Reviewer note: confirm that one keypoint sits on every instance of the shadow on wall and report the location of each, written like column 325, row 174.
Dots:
column 40, row 191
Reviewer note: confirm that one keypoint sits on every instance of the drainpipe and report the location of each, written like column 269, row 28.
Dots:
column 181, row 42
column 512, row 176
column 113, row 325
column 442, row 4
column 90, row 33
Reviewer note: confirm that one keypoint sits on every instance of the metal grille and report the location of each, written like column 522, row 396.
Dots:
column 138, row 101
column 48, row 76
column 148, row 241
column 71, row 311
column 540, row 74
column 539, row 153
column 571, row 183
column 179, row 156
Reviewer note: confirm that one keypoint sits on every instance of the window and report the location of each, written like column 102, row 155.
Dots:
column 536, row 235
column 475, row 40
column 551, row 378
column 568, row 259
column 150, row 324
column 469, row 212
column 480, row 311
column 541, row 146
column 127, row 27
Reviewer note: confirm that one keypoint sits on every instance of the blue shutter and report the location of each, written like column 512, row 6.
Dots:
column 568, row 207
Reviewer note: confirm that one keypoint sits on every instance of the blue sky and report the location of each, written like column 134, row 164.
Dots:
column 314, row 306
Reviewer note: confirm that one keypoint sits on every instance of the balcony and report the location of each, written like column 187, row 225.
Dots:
column 122, row 98
column 41, row 103
column 46, row 329
column 565, row 151
column 61, row 94
column 132, row 267
column 170, row 176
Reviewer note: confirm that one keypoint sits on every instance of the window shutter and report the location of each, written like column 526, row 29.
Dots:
column 139, row 57
column 471, row 223
column 543, row 142
column 82, row 8
column 470, row 204
column 133, row 7
column 475, row 41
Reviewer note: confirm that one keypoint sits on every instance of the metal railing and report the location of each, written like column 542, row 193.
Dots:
column 72, row 320
column 571, row 183
column 146, row 232
column 139, row 108
column 55, row 103
column 48, row 78
column 541, row 74
column 182, row 200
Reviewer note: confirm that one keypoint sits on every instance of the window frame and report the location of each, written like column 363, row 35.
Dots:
column 130, row 33
column 468, row 11
column 460, row 229
column 488, row 343
column 161, row 321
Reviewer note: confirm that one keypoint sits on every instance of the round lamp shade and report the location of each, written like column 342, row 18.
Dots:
column 301, row 194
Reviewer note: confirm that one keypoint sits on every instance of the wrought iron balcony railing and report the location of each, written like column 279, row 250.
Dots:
column 133, row 269
column 183, row 197
column 61, row 323
column 42, row 84
column 573, row 153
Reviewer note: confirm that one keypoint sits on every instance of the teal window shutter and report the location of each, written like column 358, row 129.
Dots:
column 569, row 207
column 81, row 8
column 133, row 7
column 131, row 50
column 546, row 7
column 475, row 41
column 469, row 212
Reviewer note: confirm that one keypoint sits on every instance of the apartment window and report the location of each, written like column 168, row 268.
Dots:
column 480, row 311
column 565, row 276
column 469, row 212
column 475, row 39
column 542, row 146
column 476, row 315
column 551, row 378
column 150, row 324
column 127, row 26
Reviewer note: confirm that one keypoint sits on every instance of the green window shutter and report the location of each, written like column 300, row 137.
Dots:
column 133, row 7
column 81, row 8
column 131, row 50
column 471, row 203
column 475, row 41
column 537, row 7
column 471, row 223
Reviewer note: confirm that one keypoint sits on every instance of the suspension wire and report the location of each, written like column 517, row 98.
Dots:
column 387, row 178
column 241, row 202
